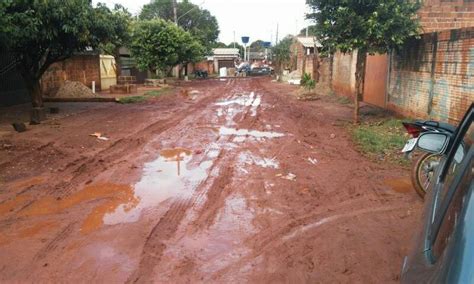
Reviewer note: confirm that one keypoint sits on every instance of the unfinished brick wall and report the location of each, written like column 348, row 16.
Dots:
column 433, row 77
column 343, row 73
column 438, row 15
column 324, row 71
column 301, row 61
column 201, row 65
column 82, row 68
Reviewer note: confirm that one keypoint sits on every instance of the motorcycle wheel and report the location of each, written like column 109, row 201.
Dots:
column 423, row 172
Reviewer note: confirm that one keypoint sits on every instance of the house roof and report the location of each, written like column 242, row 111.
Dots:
column 308, row 41
column 225, row 51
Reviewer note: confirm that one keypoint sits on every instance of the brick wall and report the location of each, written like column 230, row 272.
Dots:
column 82, row 68
column 301, row 61
column 343, row 73
column 438, row 15
column 324, row 70
column 433, row 77
column 202, row 65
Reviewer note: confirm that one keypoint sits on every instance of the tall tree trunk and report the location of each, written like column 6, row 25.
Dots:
column 37, row 113
column 118, row 63
column 360, row 76
column 36, row 96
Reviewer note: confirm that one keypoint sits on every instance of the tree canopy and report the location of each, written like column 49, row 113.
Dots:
column 117, row 20
column 257, row 46
column 40, row 33
column 159, row 45
column 282, row 53
column 374, row 26
column 199, row 22
column 311, row 31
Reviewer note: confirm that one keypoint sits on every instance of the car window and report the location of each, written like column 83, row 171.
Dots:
column 451, row 217
column 459, row 167
column 459, row 157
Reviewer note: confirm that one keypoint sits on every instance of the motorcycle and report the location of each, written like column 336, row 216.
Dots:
column 425, row 166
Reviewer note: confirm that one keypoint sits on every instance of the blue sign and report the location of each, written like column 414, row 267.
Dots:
column 245, row 39
column 267, row 44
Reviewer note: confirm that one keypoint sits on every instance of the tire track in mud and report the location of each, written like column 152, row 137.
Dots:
column 208, row 198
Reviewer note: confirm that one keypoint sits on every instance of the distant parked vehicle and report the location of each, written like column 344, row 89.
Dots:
column 260, row 71
column 201, row 74
column 425, row 166
column 444, row 250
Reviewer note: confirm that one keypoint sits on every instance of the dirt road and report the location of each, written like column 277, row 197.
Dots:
column 224, row 181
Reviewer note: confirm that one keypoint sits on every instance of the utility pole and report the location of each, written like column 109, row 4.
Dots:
column 234, row 39
column 175, row 12
column 276, row 41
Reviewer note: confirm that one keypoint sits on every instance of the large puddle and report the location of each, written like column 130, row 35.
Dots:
column 243, row 100
column 171, row 175
column 228, row 106
column 249, row 133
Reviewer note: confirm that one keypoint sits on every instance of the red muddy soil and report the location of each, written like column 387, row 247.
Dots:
column 222, row 181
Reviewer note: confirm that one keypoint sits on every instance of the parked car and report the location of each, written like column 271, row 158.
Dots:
column 444, row 247
column 260, row 71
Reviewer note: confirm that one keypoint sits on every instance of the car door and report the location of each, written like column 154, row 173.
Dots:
column 440, row 253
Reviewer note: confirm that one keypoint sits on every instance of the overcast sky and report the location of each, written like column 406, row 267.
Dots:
column 255, row 18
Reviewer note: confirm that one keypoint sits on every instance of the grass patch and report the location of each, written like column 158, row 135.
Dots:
column 156, row 93
column 343, row 100
column 132, row 100
column 382, row 140
column 146, row 96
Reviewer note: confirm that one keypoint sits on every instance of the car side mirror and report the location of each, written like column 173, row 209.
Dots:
column 433, row 142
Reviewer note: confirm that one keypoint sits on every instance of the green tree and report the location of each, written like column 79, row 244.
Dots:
column 219, row 45
column 160, row 45
column 257, row 46
column 282, row 53
column 199, row 22
column 119, row 22
column 311, row 31
column 40, row 33
column 374, row 26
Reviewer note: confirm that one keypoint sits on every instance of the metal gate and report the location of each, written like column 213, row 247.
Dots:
column 375, row 83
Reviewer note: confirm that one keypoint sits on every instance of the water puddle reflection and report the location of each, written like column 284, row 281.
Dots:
column 249, row 133
column 250, row 159
column 247, row 100
column 170, row 175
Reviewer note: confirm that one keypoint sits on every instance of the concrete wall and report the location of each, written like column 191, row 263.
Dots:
column 438, row 15
column 434, row 77
column 343, row 73
column 82, row 68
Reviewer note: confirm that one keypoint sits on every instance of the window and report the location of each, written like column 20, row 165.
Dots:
column 450, row 219
column 451, row 197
